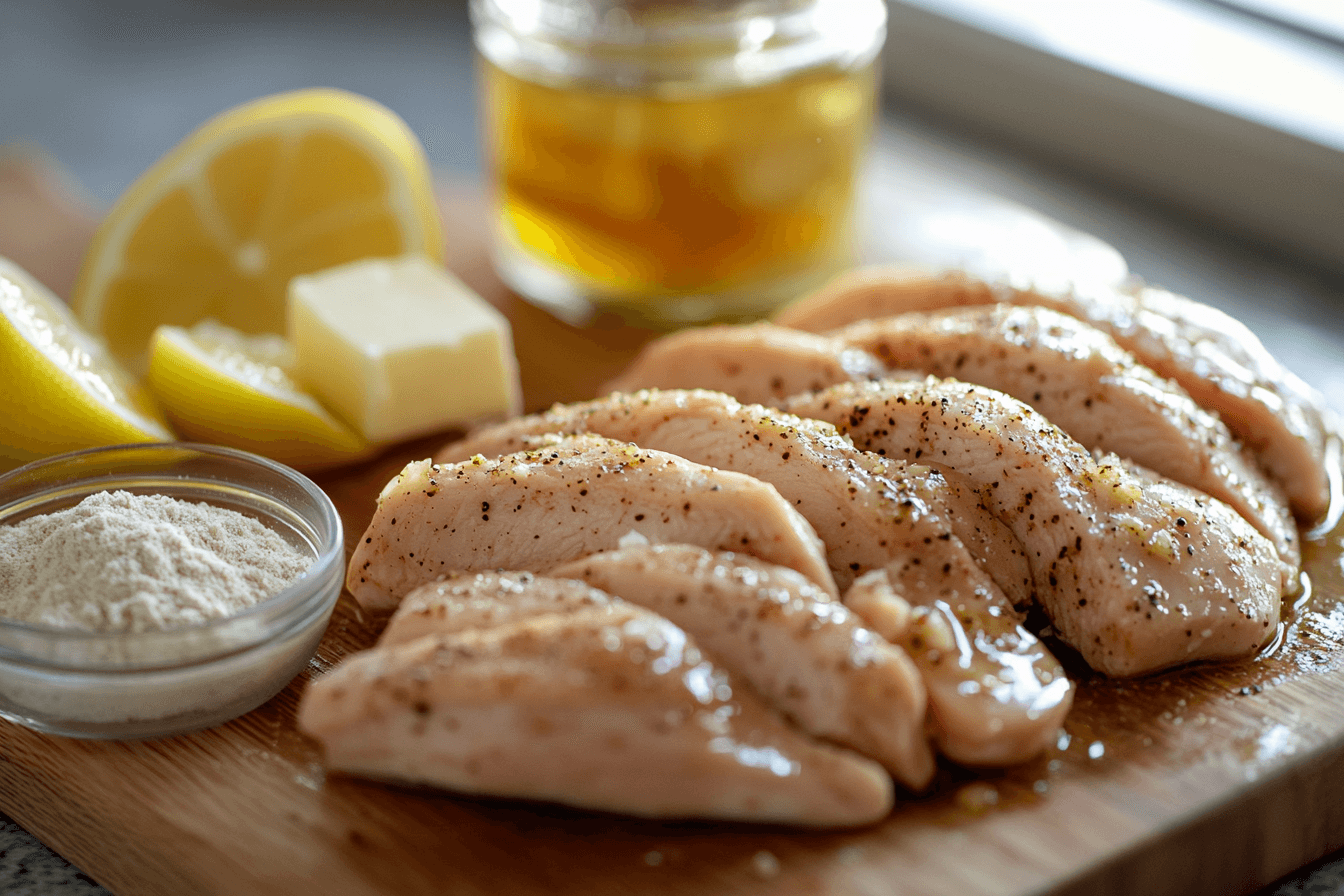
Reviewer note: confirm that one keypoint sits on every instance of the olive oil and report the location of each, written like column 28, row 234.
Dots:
column 711, row 178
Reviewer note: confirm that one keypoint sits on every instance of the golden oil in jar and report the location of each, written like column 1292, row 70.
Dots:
column 675, row 160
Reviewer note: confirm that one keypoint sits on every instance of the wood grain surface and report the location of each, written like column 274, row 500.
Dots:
column 1208, row 780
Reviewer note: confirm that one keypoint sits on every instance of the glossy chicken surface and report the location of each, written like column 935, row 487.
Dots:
column 1137, row 573
column 866, row 509
column 776, row 570
column 1084, row 383
column 804, row 652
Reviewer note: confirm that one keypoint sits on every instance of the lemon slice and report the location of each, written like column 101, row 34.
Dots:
column 284, row 185
column 221, row 386
column 61, row 390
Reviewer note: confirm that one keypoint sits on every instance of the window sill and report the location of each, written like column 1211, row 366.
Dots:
column 1184, row 102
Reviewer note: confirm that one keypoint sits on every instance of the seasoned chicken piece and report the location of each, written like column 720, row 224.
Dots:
column 484, row 600
column 882, row 291
column 980, row 716
column 603, row 708
column 1137, row 574
column 756, row 363
column 1225, row 368
column 1000, row 696
column 1214, row 357
column 871, row 513
column 1098, row 393
column 538, row 508
column 992, row 544
column 802, row 651
column 865, row 509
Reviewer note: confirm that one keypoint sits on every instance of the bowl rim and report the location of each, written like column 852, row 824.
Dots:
column 270, row 617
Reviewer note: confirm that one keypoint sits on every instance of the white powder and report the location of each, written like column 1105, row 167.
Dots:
column 132, row 563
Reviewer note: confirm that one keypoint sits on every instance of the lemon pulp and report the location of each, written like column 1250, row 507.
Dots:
column 284, row 185
column 221, row 386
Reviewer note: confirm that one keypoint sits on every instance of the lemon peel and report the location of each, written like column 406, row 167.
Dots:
column 62, row 390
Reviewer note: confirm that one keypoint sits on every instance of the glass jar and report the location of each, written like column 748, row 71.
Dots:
column 676, row 161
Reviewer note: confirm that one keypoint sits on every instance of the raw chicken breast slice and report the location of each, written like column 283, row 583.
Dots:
column 1137, row 574
column 886, row 291
column 1098, row 393
column 600, row 709
column 996, row 694
column 802, row 651
column 1225, row 368
column 1213, row 356
column 756, row 363
column 870, row 512
column 484, row 600
column 535, row 509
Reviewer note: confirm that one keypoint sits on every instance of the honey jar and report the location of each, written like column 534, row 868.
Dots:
column 676, row 161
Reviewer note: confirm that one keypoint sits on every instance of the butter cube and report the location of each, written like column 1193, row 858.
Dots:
column 400, row 348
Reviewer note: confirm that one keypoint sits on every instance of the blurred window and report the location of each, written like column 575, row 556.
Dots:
column 1230, row 109
column 1323, row 19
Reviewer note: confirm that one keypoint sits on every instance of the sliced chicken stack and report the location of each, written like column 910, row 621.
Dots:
column 1211, row 355
column 509, row 684
column 1087, row 385
column 795, row 565
column 803, row 681
column 804, row 652
column 1000, row 703
column 1137, row 573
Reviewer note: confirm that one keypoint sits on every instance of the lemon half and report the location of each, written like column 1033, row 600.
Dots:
column 284, row 185
column 62, row 391
column 221, row 386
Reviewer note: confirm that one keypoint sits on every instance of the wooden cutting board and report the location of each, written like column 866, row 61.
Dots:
column 1214, row 780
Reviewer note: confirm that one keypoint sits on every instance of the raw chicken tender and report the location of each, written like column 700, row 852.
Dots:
column 974, row 661
column 485, row 600
column 866, row 509
column 535, row 509
column 757, row 363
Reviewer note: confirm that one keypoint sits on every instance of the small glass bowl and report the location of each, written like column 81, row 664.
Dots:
column 133, row 685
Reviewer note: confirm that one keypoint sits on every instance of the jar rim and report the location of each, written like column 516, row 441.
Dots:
column 730, row 42
column 644, row 22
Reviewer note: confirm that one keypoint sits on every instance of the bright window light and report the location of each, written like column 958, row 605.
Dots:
column 1200, row 51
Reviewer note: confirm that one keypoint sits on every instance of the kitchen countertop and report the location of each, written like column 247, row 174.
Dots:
column 176, row 63
column 27, row 868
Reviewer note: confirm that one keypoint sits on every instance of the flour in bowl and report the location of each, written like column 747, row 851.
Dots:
column 121, row 562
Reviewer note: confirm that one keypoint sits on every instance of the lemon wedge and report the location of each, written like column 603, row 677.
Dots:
column 221, row 386
column 62, row 390
column 283, row 185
